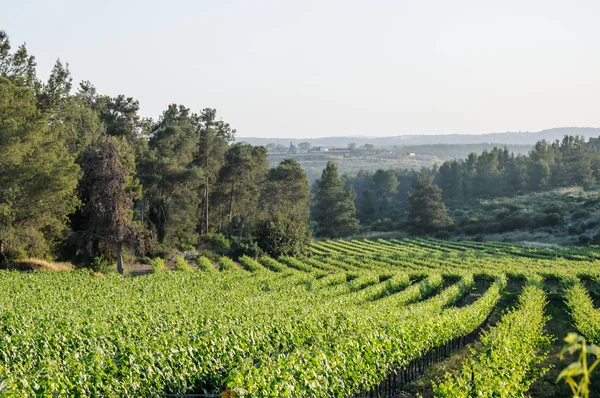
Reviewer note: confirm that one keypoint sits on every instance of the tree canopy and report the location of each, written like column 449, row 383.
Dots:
column 334, row 207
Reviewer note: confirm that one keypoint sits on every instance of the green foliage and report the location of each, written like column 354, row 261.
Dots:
column 387, row 224
column 226, row 264
column 283, row 235
column 287, row 190
column 240, row 182
column 586, row 317
column 579, row 369
column 158, row 265
column 38, row 176
column 108, row 188
column 219, row 242
column 334, row 209
column 101, row 264
column 181, row 264
column 250, row 264
column 332, row 324
column 427, row 212
column 272, row 264
column 204, row 264
column 508, row 361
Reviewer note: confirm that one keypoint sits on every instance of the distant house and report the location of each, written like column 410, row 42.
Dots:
column 412, row 154
column 321, row 149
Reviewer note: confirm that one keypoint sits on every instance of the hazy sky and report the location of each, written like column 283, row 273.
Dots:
column 323, row 68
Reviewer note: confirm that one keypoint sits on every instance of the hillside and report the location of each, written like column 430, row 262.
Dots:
column 525, row 138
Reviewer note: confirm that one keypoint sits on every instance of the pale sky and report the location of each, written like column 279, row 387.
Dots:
column 294, row 69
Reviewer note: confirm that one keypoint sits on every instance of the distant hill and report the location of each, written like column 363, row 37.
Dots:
column 526, row 138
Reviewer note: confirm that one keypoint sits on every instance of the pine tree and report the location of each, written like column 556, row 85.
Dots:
column 287, row 190
column 334, row 211
column 239, row 185
column 427, row 212
column 109, row 205
column 38, row 176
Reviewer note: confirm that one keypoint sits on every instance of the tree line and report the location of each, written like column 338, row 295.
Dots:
column 83, row 176
column 384, row 200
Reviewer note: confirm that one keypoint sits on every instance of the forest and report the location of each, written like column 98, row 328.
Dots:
column 84, row 177
column 495, row 181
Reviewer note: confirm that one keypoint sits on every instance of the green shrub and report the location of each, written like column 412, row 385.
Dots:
column 573, row 229
column 158, row 265
column 585, row 239
column 473, row 229
column 185, row 241
column 283, row 236
column 219, row 242
column 250, row 264
column 554, row 208
column 580, row 214
column 385, row 225
column 204, row 264
column 226, row 264
column 102, row 264
column 547, row 219
column 181, row 264
column 443, row 235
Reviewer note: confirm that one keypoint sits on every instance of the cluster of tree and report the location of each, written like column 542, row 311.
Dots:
column 279, row 148
column 381, row 195
column 392, row 199
column 83, row 173
column 457, row 151
column 570, row 162
column 389, row 199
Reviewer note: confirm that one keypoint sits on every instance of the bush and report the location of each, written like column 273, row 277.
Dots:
column 385, row 225
column 162, row 250
column 459, row 213
column 219, row 242
column 244, row 247
column 585, row 240
column 478, row 238
column 473, row 229
column 181, row 264
column 158, row 265
column 185, row 242
column 205, row 264
column 226, row 264
column 573, row 230
column 512, row 207
column 103, row 265
column 283, row 236
column 554, row 208
column 547, row 219
column 443, row 235
column 250, row 264
column 580, row 214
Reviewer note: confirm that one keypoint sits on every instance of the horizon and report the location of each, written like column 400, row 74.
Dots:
column 412, row 135
column 331, row 69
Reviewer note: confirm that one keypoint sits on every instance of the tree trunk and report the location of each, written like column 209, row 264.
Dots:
column 3, row 259
column 119, row 260
column 206, row 203
column 230, row 211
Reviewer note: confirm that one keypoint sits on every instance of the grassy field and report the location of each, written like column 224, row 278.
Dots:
column 451, row 318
